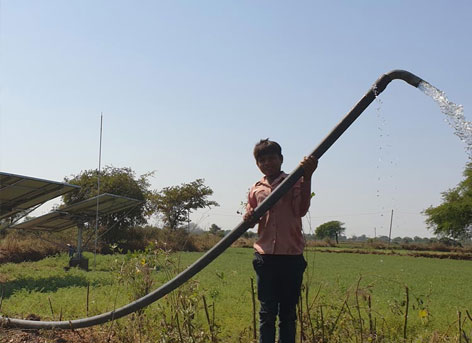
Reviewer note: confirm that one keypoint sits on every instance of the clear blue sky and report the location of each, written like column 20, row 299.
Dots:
column 188, row 88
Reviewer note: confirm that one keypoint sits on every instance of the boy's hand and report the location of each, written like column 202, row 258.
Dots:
column 309, row 165
column 248, row 217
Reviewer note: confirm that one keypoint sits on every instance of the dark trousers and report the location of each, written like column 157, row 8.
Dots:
column 279, row 279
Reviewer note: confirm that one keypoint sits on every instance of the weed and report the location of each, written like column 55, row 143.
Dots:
column 176, row 317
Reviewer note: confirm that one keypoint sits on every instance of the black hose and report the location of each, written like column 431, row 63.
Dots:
column 222, row 245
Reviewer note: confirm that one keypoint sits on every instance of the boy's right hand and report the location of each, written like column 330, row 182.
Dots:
column 249, row 218
column 309, row 165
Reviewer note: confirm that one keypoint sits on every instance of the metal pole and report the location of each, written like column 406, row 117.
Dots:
column 98, row 191
column 390, row 232
column 80, row 228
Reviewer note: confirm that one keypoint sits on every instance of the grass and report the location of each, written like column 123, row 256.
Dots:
column 437, row 290
column 439, row 284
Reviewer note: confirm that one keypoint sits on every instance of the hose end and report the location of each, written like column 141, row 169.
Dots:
column 406, row 76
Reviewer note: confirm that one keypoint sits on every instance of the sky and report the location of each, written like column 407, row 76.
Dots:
column 187, row 88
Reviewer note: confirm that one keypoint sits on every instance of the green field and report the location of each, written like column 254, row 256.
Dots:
column 337, row 283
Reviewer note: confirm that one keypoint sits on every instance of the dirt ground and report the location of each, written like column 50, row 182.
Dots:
column 55, row 336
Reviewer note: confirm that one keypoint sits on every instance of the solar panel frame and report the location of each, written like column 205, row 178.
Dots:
column 81, row 212
column 19, row 193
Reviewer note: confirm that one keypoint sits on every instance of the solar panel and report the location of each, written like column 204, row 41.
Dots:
column 80, row 212
column 53, row 221
column 19, row 193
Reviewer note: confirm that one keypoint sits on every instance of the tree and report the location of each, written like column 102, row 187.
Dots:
column 175, row 203
column 118, row 181
column 331, row 229
column 407, row 240
column 194, row 228
column 453, row 218
column 215, row 229
column 384, row 239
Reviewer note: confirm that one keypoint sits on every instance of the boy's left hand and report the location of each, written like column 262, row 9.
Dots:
column 249, row 218
column 309, row 165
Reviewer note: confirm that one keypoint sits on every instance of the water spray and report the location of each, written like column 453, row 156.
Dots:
column 378, row 87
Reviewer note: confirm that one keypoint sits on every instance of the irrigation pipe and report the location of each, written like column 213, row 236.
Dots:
column 378, row 87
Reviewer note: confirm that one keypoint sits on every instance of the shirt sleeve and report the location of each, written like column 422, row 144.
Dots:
column 305, row 196
column 301, row 197
column 251, row 200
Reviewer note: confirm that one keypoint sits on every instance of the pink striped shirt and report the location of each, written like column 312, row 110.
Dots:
column 280, row 229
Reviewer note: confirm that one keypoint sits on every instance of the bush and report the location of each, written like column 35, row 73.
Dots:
column 376, row 244
column 323, row 243
column 244, row 242
column 19, row 246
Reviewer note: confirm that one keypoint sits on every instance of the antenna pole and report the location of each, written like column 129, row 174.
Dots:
column 98, row 191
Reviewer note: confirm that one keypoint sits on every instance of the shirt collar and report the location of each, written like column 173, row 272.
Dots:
column 275, row 183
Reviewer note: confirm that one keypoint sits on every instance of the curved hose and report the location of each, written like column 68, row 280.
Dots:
column 222, row 245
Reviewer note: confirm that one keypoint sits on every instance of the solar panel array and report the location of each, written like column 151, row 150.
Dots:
column 20, row 193
column 81, row 212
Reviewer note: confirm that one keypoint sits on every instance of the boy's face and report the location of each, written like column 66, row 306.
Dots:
column 270, row 164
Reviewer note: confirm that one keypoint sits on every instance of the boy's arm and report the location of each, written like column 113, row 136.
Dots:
column 309, row 165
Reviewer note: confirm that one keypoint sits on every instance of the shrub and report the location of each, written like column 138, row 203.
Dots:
column 19, row 246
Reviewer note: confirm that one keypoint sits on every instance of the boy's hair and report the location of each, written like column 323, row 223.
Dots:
column 266, row 147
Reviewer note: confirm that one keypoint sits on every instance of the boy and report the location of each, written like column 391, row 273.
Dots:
column 278, row 259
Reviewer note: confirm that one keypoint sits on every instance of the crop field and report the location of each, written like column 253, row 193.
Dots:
column 346, row 297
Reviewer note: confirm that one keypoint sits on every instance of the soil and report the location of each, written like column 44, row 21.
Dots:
column 91, row 335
